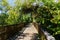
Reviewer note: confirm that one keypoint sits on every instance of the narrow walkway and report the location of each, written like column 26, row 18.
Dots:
column 30, row 33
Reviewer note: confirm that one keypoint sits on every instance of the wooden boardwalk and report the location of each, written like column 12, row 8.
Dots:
column 30, row 33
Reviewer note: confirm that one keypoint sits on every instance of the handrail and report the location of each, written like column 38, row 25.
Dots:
column 41, row 33
column 5, row 31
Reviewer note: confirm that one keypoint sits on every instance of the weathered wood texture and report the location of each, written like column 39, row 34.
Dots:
column 6, row 31
column 41, row 33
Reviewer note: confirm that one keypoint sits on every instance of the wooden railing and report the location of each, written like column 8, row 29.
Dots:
column 6, row 31
column 41, row 33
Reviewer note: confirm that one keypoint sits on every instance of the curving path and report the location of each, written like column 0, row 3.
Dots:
column 30, row 33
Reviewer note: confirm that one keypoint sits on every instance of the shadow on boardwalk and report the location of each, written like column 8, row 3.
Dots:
column 27, row 33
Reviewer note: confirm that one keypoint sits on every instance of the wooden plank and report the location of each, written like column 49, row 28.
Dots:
column 5, row 31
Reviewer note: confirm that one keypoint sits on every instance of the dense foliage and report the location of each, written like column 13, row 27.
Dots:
column 45, row 12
